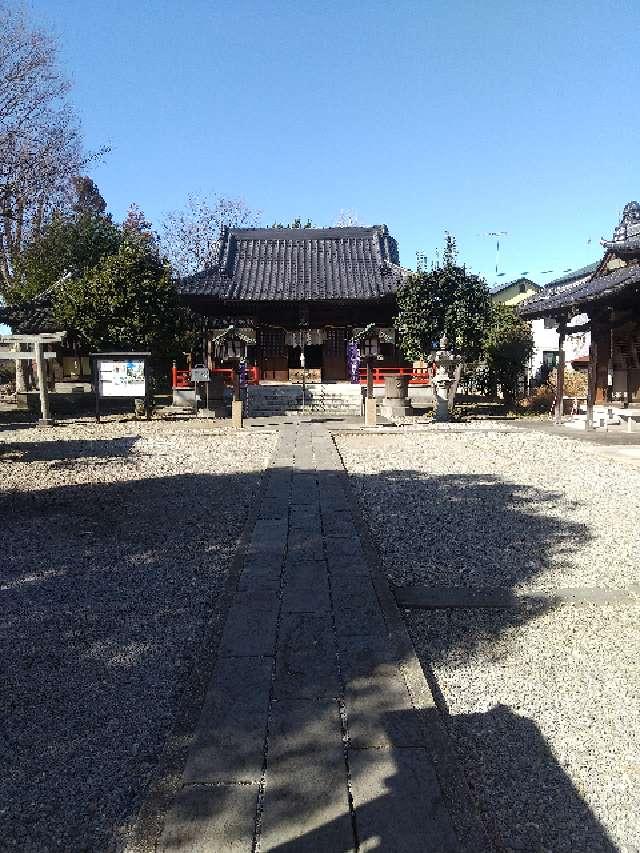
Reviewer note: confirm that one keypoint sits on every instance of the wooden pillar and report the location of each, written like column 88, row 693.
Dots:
column 562, row 330
column 591, row 382
column 369, row 379
column 42, row 384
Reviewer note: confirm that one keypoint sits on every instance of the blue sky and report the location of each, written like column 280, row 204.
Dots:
column 464, row 115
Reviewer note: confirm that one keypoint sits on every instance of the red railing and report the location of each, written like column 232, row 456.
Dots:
column 417, row 376
column 182, row 378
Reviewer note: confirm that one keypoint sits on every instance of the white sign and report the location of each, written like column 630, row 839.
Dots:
column 199, row 374
column 124, row 378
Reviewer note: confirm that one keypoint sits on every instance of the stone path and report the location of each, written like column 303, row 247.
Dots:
column 309, row 739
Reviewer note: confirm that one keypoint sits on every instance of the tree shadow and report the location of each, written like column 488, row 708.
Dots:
column 113, row 596
column 68, row 451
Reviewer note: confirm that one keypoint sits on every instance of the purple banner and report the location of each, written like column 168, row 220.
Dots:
column 353, row 362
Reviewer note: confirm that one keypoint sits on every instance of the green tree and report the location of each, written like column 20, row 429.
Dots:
column 445, row 300
column 508, row 346
column 127, row 301
column 70, row 244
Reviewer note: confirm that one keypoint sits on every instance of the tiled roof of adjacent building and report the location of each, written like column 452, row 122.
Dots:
column 573, row 275
column 300, row 264
column 618, row 271
column 579, row 293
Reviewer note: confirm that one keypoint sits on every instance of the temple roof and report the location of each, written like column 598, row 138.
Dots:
column 618, row 271
column 300, row 264
column 555, row 300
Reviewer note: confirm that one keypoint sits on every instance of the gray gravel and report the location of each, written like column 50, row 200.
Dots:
column 116, row 540
column 543, row 704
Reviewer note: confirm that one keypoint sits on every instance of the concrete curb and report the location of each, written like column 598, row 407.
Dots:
column 423, row 689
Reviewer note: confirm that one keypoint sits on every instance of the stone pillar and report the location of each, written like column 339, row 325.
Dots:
column 441, row 399
column 236, row 414
column 370, row 411
column 42, row 384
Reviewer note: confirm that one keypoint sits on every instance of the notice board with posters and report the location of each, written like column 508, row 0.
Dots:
column 120, row 375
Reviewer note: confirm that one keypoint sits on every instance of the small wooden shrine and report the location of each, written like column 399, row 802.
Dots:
column 288, row 290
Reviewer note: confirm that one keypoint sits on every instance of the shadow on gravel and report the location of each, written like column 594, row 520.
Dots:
column 555, row 818
column 111, row 597
column 67, row 451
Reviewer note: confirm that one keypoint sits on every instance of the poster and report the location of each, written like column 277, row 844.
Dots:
column 121, row 378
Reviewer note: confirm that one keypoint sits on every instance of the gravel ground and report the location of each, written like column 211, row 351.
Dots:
column 116, row 541
column 543, row 703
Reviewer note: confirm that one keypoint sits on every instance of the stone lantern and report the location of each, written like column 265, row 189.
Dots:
column 446, row 363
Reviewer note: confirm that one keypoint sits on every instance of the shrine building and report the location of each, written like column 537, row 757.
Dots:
column 274, row 291
column 610, row 297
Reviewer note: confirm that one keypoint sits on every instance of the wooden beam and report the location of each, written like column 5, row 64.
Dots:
column 562, row 330
column 591, row 383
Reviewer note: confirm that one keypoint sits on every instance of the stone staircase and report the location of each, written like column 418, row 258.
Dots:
column 335, row 398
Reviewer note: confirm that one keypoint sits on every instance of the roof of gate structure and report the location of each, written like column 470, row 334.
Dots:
column 300, row 264
column 618, row 272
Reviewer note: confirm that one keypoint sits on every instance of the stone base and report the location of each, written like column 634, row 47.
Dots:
column 398, row 407
column 370, row 412
column 392, row 412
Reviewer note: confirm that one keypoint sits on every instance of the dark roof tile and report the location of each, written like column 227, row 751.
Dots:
column 300, row 264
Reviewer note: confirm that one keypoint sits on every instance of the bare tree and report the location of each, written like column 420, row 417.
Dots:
column 40, row 146
column 190, row 237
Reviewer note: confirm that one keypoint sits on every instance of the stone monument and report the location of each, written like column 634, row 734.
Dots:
column 396, row 402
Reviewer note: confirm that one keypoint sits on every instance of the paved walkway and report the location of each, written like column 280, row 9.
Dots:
column 309, row 739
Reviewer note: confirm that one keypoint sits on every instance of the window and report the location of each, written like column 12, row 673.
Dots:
column 550, row 358
column 369, row 347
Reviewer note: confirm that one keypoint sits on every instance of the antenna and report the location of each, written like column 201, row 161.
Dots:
column 497, row 235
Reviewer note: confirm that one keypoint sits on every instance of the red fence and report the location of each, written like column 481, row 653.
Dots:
column 418, row 376
column 182, row 378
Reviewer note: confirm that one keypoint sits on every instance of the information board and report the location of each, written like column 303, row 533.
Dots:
column 121, row 378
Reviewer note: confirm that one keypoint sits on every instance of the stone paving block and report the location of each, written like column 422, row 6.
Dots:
column 270, row 529
column 359, row 621
column 337, row 524
column 258, row 596
column 380, row 713
column 344, row 546
column 229, row 741
column 202, row 820
column 342, row 567
column 304, row 496
column 306, row 588
column 272, row 511
column 265, row 572
column 249, row 633
column 306, row 805
column 398, row 802
column 304, row 517
column 302, row 539
column 306, row 662
column 367, row 657
column 268, row 550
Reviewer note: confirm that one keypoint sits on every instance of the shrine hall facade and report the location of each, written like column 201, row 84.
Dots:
column 274, row 291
